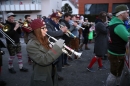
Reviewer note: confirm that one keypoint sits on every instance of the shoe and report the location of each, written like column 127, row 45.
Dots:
column 2, row 83
column 90, row 69
column 30, row 62
column 24, row 69
column 102, row 68
column 87, row 48
column 11, row 70
column 60, row 78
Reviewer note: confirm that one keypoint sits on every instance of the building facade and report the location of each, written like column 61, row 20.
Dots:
column 35, row 8
column 95, row 6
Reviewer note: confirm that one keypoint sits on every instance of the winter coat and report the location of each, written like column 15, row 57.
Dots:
column 44, row 72
column 101, row 39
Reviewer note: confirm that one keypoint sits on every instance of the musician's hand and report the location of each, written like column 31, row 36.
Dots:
column 64, row 29
column 60, row 43
column 29, row 28
column 16, row 26
column 75, row 24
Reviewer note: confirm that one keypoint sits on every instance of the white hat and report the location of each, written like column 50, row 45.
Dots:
column 10, row 14
column 86, row 18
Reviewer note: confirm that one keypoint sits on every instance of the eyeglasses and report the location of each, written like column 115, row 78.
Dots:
column 43, row 28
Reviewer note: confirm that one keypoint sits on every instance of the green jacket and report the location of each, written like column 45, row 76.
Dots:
column 120, row 30
column 42, row 76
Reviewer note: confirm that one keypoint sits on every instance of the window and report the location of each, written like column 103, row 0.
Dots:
column 95, row 8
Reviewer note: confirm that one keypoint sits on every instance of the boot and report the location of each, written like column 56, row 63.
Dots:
column 80, row 47
column 86, row 47
column 111, row 79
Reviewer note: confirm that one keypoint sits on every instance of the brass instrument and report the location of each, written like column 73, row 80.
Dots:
column 24, row 24
column 88, row 23
column 5, row 28
column 78, row 26
column 65, row 47
column 68, row 32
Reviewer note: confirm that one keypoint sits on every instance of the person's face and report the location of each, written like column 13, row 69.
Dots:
column 67, row 18
column 86, row 20
column 125, row 16
column 29, row 19
column 11, row 19
column 44, row 30
column 74, row 18
column 56, row 20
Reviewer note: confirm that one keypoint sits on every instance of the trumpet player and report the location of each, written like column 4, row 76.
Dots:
column 74, row 42
column 27, row 29
column 55, row 31
column 85, row 35
column 14, row 32
column 43, row 56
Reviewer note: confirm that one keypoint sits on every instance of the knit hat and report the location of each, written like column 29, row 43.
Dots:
column 37, row 23
column 121, row 9
column 55, row 15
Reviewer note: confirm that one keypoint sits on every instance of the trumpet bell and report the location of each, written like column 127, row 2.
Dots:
column 78, row 54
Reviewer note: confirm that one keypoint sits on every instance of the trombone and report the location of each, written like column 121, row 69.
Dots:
column 65, row 47
column 5, row 29
column 7, row 37
column 68, row 33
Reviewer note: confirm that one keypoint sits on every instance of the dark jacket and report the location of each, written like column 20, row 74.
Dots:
column 44, row 73
column 53, row 31
column 101, row 39
column 1, row 46
column 15, row 35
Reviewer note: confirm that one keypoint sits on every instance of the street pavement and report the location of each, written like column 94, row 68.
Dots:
column 74, row 75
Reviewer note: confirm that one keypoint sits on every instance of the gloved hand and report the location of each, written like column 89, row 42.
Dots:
column 60, row 43
column 2, row 52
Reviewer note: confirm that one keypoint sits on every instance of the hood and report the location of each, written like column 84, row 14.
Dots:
column 115, row 20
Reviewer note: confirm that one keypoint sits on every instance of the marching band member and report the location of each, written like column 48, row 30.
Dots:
column 65, row 22
column 74, row 42
column 14, row 33
column 85, row 33
column 43, row 55
column 27, row 29
column 117, row 46
column 55, row 31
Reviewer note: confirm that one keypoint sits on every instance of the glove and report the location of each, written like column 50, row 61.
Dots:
column 60, row 43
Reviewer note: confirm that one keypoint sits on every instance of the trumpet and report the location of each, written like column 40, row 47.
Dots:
column 88, row 23
column 78, row 26
column 65, row 47
column 68, row 33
